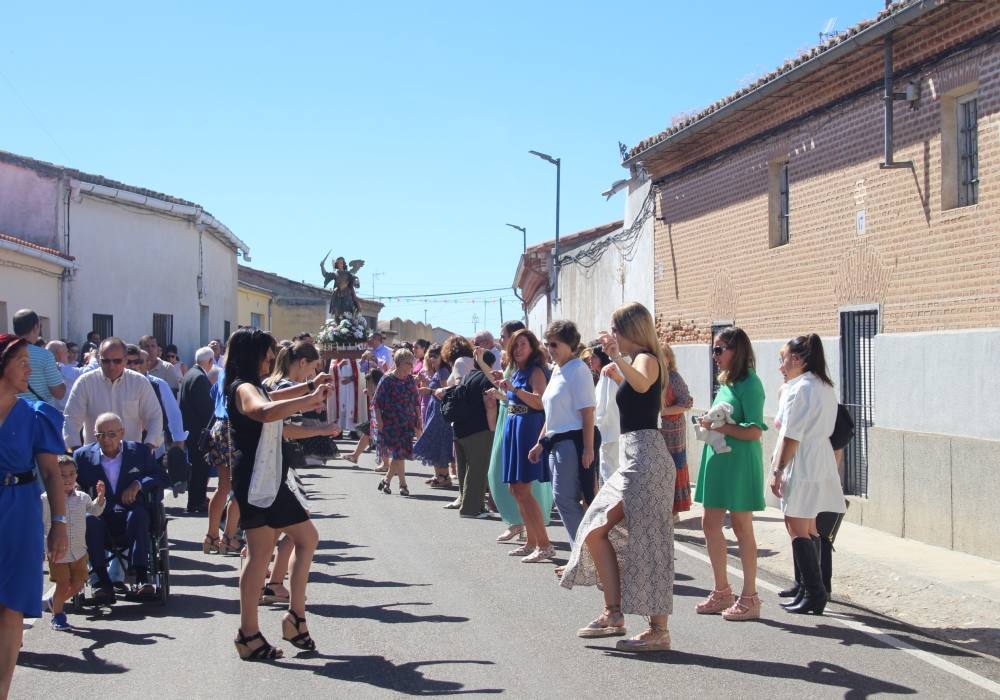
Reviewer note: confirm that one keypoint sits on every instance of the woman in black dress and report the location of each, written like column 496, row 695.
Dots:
column 267, row 504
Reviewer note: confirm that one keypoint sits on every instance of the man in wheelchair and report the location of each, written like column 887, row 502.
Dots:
column 133, row 484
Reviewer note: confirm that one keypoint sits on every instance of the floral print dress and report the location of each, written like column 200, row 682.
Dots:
column 398, row 404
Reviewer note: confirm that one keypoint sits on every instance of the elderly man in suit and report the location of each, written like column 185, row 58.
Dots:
column 197, row 408
column 127, row 470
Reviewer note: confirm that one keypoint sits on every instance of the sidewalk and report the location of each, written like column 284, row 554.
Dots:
column 945, row 594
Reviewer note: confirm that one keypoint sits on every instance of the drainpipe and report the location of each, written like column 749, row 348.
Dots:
column 889, row 97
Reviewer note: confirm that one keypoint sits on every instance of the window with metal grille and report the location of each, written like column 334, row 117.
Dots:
column 857, row 332
column 968, row 150
column 103, row 324
column 256, row 320
column 163, row 329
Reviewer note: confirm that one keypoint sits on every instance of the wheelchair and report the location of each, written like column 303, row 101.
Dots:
column 158, row 572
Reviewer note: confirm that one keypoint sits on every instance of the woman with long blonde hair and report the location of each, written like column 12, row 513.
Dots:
column 626, row 539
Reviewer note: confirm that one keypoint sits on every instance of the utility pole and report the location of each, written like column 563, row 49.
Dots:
column 501, row 311
column 475, row 322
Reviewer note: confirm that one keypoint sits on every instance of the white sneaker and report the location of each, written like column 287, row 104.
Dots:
column 457, row 503
column 539, row 555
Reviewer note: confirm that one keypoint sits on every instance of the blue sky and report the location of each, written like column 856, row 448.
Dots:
column 392, row 132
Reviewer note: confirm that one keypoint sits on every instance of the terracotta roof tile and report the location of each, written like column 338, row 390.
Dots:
column 35, row 246
column 786, row 67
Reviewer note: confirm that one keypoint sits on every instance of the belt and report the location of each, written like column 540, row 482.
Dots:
column 519, row 409
column 19, row 479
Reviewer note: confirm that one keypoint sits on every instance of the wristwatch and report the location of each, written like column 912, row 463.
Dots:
column 311, row 385
column 59, row 519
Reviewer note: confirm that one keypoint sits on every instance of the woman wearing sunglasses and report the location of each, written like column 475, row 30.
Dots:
column 628, row 528
column 567, row 436
column 734, row 481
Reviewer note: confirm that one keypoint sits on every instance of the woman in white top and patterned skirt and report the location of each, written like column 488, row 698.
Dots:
column 626, row 539
column 803, row 469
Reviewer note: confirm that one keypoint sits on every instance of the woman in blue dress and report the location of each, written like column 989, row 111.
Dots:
column 525, row 419
column 30, row 433
column 435, row 445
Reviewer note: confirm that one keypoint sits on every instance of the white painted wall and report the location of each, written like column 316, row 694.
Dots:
column 134, row 263
column 945, row 382
column 588, row 296
column 537, row 316
column 29, row 283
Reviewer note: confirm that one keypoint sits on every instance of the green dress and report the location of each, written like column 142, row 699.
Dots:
column 504, row 499
column 734, row 480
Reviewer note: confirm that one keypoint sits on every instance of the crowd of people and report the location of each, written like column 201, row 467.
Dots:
column 596, row 430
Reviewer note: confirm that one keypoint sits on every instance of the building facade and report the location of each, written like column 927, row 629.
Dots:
column 31, row 277
column 801, row 204
column 254, row 306
column 145, row 262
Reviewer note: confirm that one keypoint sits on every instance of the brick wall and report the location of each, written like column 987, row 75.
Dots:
column 929, row 267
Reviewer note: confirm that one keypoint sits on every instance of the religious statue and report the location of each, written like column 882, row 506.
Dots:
column 345, row 281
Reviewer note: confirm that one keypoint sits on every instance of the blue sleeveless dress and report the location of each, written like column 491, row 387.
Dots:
column 28, row 430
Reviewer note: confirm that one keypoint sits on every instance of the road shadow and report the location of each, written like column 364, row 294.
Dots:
column 690, row 591
column 430, row 497
column 731, row 546
column 63, row 663
column 336, row 544
column 380, row 672
column 102, row 637
column 179, row 563
column 850, row 637
column 182, row 605
column 324, row 516
column 380, row 613
column 203, row 580
column 857, row 685
column 353, row 581
column 334, row 559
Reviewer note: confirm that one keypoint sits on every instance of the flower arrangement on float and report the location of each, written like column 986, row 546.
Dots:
column 349, row 331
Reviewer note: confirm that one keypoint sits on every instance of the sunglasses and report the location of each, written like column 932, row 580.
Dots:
column 108, row 434
column 550, row 346
column 112, row 360
column 134, row 363
column 719, row 349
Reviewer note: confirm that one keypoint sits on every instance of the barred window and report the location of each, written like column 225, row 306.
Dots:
column 967, row 121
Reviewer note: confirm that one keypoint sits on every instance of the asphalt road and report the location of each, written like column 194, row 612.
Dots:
column 406, row 598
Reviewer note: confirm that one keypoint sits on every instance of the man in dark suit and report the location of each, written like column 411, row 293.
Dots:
column 127, row 470
column 197, row 408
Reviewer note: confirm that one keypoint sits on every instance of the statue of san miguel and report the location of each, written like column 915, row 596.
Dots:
column 345, row 280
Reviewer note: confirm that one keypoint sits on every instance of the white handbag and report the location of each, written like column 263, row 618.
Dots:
column 266, row 477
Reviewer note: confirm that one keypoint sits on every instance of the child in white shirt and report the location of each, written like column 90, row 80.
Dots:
column 70, row 572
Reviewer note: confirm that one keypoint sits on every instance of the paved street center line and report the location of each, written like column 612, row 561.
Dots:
column 925, row 656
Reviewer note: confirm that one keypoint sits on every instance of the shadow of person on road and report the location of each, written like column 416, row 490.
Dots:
column 103, row 637
column 354, row 581
column 380, row 672
column 432, row 497
column 334, row 559
column 63, row 663
column 850, row 637
column 857, row 685
column 380, row 613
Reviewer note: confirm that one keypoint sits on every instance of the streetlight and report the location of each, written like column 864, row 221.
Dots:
column 524, row 257
column 555, row 252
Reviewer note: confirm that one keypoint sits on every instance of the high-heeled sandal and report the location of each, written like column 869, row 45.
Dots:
column 265, row 652
column 210, row 545
column 607, row 628
column 403, row 491
column 302, row 640
column 229, row 545
column 269, row 597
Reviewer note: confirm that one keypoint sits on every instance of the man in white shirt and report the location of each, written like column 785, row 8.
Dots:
column 383, row 355
column 158, row 367
column 114, row 389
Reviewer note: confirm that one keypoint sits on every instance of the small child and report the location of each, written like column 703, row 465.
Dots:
column 70, row 573
column 365, row 429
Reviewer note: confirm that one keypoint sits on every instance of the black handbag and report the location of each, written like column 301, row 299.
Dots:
column 843, row 429
column 292, row 454
column 451, row 403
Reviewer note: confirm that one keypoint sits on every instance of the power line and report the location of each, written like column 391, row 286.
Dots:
column 444, row 294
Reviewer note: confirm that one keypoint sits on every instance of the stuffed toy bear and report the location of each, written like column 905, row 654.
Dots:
column 719, row 415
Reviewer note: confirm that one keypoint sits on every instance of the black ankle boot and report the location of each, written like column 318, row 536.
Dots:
column 814, row 597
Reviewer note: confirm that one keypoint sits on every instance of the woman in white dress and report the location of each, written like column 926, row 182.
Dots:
column 803, row 469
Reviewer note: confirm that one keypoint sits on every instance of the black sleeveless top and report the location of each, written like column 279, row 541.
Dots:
column 639, row 411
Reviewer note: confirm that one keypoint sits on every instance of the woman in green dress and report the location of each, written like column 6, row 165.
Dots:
column 502, row 497
column 734, row 481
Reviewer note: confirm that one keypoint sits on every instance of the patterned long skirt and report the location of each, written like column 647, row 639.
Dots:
column 644, row 539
